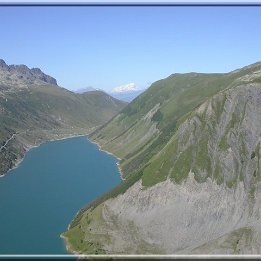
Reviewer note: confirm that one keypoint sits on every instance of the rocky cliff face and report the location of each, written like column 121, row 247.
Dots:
column 208, row 198
column 21, row 76
column 219, row 140
column 216, row 206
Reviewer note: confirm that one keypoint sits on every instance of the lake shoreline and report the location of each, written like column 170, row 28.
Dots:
column 66, row 241
column 29, row 147
column 68, row 246
column 109, row 153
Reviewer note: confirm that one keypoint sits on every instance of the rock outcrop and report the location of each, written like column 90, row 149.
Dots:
column 21, row 76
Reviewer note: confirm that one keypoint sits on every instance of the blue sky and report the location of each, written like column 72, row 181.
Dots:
column 105, row 47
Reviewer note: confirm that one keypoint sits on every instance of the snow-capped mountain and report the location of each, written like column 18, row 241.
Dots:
column 126, row 92
column 130, row 87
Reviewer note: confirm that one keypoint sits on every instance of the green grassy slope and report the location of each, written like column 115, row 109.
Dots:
column 144, row 126
column 45, row 112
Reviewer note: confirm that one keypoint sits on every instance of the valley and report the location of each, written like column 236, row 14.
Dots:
column 188, row 148
column 130, row 130
column 34, row 109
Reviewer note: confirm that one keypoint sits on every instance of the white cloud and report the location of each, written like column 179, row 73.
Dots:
column 125, row 88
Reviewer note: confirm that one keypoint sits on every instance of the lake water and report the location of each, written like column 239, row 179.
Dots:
column 40, row 198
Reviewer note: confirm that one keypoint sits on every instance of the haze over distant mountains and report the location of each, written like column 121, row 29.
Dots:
column 125, row 88
column 126, row 96
column 127, row 92
column 87, row 89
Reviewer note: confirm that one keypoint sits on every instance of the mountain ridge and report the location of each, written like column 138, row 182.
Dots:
column 19, row 74
column 198, row 166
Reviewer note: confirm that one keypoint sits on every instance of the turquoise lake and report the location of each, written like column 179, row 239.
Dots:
column 41, row 196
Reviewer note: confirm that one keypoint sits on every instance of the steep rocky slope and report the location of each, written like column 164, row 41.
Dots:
column 34, row 109
column 198, row 193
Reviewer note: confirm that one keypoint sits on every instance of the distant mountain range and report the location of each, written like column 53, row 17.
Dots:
column 130, row 87
column 126, row 92
column 127, row 96
column 87, row 89
column 33, row 108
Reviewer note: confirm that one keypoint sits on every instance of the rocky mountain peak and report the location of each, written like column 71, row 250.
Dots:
column 19, row 68
column 42, row 76
column 3, row 65
column 21, row 75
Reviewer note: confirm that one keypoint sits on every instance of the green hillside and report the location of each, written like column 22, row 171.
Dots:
column 184, row 123
column 144, row 126
column 41, row 112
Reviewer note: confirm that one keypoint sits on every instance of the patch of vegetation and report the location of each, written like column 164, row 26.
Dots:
column 160, row 166
column 130, row 110
column 182, row 166
column 230, row 183
column 81, row 238
column 136, row 152
column 157, row 117
column 243, row 149
column 257, row 153
column 75, row 238
column 142, row 158
column 257, row 80
column 202, row 162
column 219, row 104
column 218, row 174
column 223, row 145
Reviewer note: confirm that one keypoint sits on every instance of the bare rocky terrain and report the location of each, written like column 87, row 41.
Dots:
column 20, row 76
